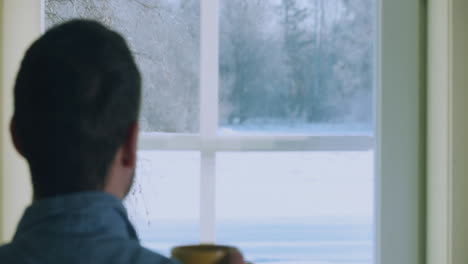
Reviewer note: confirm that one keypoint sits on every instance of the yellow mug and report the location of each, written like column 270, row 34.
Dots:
column 207, row 254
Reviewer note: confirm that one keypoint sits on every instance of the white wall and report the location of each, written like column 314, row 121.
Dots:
column 460, row 132
column 448, row 132
column 1, row 128
column 20, row 24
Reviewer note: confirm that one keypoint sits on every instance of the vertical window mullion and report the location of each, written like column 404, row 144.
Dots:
column 208, row 115
column 207, row 197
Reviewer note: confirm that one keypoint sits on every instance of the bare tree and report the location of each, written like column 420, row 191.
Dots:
column 163, row 36
column 242, row 57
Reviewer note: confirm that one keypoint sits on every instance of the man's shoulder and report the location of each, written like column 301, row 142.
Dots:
column 104, row 251
column 5, row 249
column 131, row 252
column 147, row 254
column 123, row 251
column 8, row 253
column 144, row 255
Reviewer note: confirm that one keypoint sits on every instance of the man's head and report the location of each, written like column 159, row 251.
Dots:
column 77, row 99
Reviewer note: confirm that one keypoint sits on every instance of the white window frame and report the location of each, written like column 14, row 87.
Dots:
column 400, row 149
column 399, row 132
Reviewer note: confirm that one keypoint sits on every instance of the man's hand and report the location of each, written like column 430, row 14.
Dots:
column 233, row 257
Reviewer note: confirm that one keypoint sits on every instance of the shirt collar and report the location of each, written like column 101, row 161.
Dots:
column 78, row 212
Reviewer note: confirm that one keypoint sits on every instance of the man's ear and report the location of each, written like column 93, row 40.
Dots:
column 130, row 146
column 14, row 137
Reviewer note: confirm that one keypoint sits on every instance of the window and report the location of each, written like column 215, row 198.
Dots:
column 257, row 123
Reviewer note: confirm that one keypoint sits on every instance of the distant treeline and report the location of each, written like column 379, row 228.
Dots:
column 308, row 61
column 295, row 60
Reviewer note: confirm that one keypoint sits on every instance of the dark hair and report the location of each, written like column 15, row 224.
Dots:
column 76, row 95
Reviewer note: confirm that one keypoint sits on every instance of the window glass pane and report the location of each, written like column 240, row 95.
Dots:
column 293, row 66
column 297, row 207
column 163, row 202
column 164, row 37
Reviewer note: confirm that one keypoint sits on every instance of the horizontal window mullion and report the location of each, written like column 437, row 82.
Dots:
column 163, row 141
column 322, row 143
column 174, row 142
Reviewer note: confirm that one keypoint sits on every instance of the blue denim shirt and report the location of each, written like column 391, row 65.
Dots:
column 88, row 227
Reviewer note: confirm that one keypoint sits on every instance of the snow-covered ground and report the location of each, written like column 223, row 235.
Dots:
column 262, row 127
column 303, row 200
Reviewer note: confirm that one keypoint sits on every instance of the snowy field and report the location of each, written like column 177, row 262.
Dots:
column 283, row 127
column 277, row 207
